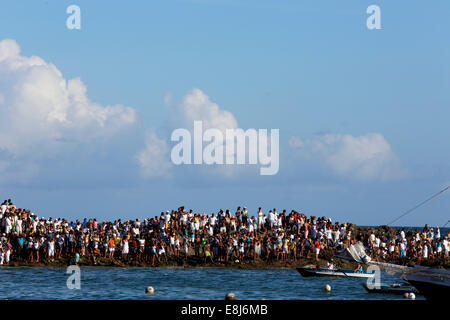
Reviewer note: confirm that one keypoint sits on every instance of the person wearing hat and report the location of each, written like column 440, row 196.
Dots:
column 330, row 264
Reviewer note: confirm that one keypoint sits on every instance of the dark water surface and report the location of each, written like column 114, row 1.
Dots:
column 179, row 283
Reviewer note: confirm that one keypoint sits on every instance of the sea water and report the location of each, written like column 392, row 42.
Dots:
column 180, row 283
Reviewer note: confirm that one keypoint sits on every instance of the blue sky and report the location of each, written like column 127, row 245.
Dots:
column 309, row 68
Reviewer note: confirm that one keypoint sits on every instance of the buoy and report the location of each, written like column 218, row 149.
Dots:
column 149, row 290
column 412, row 296
column 406, row 295
column 328, row 288
column 230, row 296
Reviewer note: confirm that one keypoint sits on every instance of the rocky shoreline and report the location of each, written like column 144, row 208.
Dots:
column 197, row 262
column 191, row 262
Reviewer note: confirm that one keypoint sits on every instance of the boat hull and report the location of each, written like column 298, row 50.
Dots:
column 401, row 289
column 309, row 272
column 432, row 291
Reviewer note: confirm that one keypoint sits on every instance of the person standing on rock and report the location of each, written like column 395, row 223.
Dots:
column 317, row 246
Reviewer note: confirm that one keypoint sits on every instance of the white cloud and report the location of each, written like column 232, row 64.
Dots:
column 154, row 158
column 44, row 115
column 296, row 142
column 196, row 105
column 41, row 108
column 365, row 158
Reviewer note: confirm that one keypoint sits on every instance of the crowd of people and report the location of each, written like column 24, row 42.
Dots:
column 408, row 245
column 177, row 234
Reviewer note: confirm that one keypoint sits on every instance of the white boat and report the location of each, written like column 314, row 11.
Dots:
column 322, row 272
column 433, row 283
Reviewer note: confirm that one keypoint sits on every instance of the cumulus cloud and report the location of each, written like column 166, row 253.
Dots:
column 196, row 105
column 44, row 115
column 365, row 158
column 154, row 158
column 39, row 106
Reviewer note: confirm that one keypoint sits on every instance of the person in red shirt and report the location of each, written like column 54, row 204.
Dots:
column 317, row 245
column 111, row 243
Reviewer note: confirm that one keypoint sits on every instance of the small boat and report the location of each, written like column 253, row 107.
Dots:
column 323, row 272
column 432, row 283
column 395, row 288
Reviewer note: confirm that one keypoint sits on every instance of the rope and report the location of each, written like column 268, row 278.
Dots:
column 446, row 224
column 420, row 204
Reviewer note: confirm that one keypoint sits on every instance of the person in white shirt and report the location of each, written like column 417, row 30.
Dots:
column 437, row 235
column 425, row 251
column 210, row 230
column 377, row 242
column 392, row 249
column 167, row 216
column 51, row 249
column 279, row 221
column 184, row 218
column 8, row 225
column 212, row 220
column 446, row 246
column 330, row 265
column 329, row 236
column 260, row 218
column 336, row 236
column 313, row 231
column 19, row 226
column 271, row 219
column 402, row 249
column 372, row 238
column 251, row 227
column 3, row 208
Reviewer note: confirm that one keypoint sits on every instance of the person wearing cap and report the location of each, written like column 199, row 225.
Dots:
column 330, row 264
